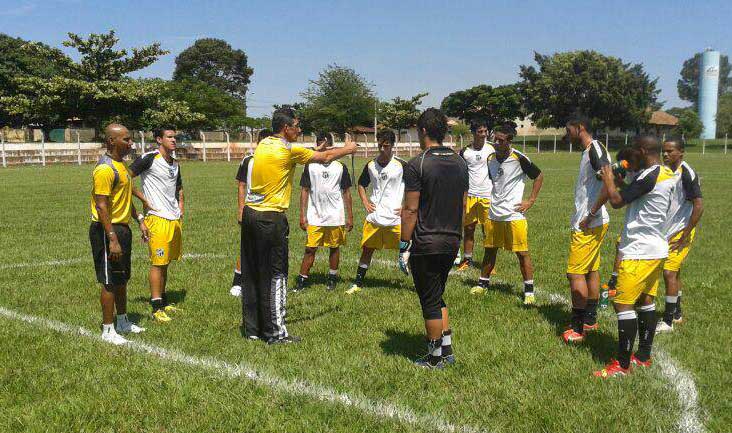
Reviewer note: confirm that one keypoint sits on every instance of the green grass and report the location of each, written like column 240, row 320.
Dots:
column 513, row 373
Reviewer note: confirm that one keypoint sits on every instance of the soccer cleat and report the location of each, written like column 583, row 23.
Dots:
column 353, row 290
column 529, row 299
column 235, row 291
column 663, row 327
column 114, row 338
column 171, row 308
column 465, row 264
column 448, row 359
column 587, row 327
column 332, row 282
column 290, row 339
column 300, row 284
column 429, row 363
column 478, row 290
column 160, row 316
column 612, row 369
column 678, row 317
column 570, row 336
column 457, row 260
column 128, row 327
column 638, row 363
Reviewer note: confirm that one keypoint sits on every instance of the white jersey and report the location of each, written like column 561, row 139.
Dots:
column 326, row 183
column 387, row 192
column 161, row 182
column 588, row 186
column 477, row 161
column 688, row 189
column 649, row 201
column 509, row 177
column 244, row 173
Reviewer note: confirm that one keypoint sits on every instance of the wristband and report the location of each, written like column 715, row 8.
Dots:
column 140, row 218
column 405, row 246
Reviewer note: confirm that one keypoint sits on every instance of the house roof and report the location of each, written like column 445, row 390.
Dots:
column 662, row 118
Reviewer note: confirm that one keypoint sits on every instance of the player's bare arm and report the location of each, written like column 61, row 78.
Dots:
column 608, row 179
column 241, row 198
column 335, row 152
column 141, row 221
column 409, row 214
column 696, row 214
column 365, row 200
column 348, row 203
column 304, row 195
column 103, row 211
column 535, row 188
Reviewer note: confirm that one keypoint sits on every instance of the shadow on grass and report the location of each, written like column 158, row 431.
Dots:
column 134, row 317
column 174, row 297
column 600, row 344
column 400, row 343
column 314, row 315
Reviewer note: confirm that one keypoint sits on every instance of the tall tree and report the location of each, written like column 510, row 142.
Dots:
column 220, row 109
column 724, row 115
column 688, row 84
column 338, row 100
column 610, row 92
column 400, row 113
column 689, row 125
column 215, row 62
column 493, row 104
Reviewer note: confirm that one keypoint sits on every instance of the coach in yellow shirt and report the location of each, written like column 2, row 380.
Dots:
column 109, row 233
column 265, row 230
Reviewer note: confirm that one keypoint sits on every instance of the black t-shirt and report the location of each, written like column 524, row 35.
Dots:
column 441, row 177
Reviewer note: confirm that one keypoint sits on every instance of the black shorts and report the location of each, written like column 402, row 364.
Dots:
column 109, row 272
column 429, row 273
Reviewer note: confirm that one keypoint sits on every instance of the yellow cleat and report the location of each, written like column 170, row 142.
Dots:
column 171, row 308
column 353, row 290
column 160, row 317
column 464, row 265
column 478, row 290
column 529, row 299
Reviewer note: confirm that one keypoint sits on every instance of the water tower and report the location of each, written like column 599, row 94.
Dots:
column 708, row 92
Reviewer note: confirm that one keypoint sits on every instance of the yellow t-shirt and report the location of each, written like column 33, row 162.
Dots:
column 120, row 194
column 273, row 167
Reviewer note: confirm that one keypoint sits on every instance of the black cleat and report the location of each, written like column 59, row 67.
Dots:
column 290, row 339
column 430, row 362
column 300, row 284
column 332, row 282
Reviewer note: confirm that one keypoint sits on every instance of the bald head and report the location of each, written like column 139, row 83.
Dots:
column 114, row 130
column 649, row 144
column 118, row 139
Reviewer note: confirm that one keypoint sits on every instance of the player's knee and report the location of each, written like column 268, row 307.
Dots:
column 432, row 311
column 310, row 251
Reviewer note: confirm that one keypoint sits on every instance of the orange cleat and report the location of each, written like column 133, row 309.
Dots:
column 613, row 369
column 464, row 265
column 593, row 327
column 638, row 363
column 571, row 337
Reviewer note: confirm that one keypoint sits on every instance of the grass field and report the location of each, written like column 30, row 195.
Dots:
column 513, row 373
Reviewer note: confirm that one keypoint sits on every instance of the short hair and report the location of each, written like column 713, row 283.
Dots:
column 434, row 123
column 579, row 120
column 283, row 117
column 263, row 133
column 386, row 135
column 324, row 136
column 625, row 154
column 508, row 128
column 478, row 123
column 678, row 141
column 159, row 132
column 649, row 143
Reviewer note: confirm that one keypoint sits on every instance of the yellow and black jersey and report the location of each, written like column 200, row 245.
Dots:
column 271, row 173
column 112, row 179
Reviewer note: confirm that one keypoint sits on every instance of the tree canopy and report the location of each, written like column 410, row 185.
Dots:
column 215, row 62
column 688, row 84
column 400, row 113
column 689, row 126
column 610, row 92
column 492, row 104
column 724, row 115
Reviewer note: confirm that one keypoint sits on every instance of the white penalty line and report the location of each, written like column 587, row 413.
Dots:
column 77, row 260
column 378, row 409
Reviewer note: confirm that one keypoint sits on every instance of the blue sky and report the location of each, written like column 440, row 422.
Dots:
column 402, row 47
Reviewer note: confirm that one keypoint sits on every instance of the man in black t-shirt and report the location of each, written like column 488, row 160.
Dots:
column 436, row 184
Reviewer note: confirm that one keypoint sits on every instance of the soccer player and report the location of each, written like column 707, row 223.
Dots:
column 265, row 230
column 479, row 193
column 589, row 225
column 162, row 185
column 684, row 215
column 325, row 195
column 382, row 227
column 506, row 226
column 109, row 232
column 643, row 247
column 243, row 176
column 436, row 183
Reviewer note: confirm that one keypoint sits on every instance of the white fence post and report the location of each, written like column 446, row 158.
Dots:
column 251, row 139
column 626, row 139
column 43, row 148
column 555, row 143
column 524, row 150
column 409, row 138
column 452, row 141
column 366, row 145
column 2, row 140
column 538, row 145
column 78, row 145
column 607, row 140
column 461, row 141
column 725, row 145
column 142, row 142
column 228, row 146
column 704, row 146
column 203, row 138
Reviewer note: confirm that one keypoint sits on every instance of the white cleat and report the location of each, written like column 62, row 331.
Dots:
column 662, row 327
column 128, row 328
column 458, row 260
column 114, row 338
column 235, row 291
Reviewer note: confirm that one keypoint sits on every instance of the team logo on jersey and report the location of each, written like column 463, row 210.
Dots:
column 160, row 252
column 383, row 176
column 171, row 170
column 326, row 175
column 478, row 157
column 499, row 172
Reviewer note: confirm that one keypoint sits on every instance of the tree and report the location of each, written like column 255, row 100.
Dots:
column 338, row 100
column 688, row 84
column 400, row 113
column 690, row 126
column 215, row 62
column 611, row 93
column 484, row 102
column 221, row 110
column 172, row 113
column 724, row 115
column 94, row 89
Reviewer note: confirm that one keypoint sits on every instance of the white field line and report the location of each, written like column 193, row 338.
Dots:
column 375, row 408
column 681, row 380
column 66, row 262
